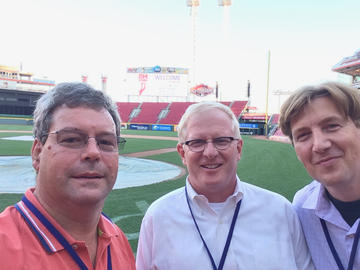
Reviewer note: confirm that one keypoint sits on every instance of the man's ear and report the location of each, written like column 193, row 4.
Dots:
column 239, row 146
column 35, row 154
column 181, row 152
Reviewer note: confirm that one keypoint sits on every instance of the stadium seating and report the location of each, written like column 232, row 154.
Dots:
column 176, row 110
column 149, row 112
column 125, row 109
column 279, row 136
column 227, row 103
column 237, row 107
column 278, row 132
column 274, row 120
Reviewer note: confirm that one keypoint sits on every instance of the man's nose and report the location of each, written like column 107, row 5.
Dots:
column 91, row 150
column 210, row 149
column 321, row 142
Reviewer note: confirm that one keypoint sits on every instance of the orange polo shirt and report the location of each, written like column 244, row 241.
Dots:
column 25, row 248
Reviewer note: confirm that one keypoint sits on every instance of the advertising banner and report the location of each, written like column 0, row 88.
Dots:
column 249, row 125
column 139, row 126
column 162, row 127
column 202, row 90
column 157, row 81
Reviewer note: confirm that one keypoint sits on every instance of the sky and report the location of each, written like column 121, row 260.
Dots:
column 65, row 39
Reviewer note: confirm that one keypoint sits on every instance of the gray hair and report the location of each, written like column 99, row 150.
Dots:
column 202, row 107
column 72, row 95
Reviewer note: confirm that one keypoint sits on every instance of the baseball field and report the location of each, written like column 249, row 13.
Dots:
column 268, row 164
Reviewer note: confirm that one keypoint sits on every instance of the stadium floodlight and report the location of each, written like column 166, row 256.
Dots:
column 224, row 2
column 193, row 3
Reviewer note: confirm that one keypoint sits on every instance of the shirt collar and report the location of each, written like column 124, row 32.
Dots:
column 322, row 206
column 106, row 228
column 315, row 200
column 236, row 196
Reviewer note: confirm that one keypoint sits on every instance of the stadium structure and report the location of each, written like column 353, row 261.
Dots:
column 20, row 90
column 350, row 65
column 156, row 98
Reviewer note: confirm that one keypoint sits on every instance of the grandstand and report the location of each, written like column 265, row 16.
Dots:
column 149, row 112
column 237, row 107
column 227, row 103
column 279, row 136
column 274, row 119
column 176, row 110
column 164, row 113
column 19, row 91
column 125, row 109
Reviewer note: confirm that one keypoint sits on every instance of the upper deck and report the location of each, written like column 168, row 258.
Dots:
column 14, row 79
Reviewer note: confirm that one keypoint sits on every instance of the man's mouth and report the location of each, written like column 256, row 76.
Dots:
column 89, row 175
column 326, row 161
column 211, row 166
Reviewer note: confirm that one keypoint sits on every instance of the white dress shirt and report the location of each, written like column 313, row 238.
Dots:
column 267, row 233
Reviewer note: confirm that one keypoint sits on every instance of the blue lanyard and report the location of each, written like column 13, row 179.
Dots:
column 228, row 240
column 57, row 235
column 333, row 250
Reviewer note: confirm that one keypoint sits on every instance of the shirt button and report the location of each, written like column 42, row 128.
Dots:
column 75, row 246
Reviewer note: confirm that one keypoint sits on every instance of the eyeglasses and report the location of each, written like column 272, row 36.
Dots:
column 220, row 143
column 77, row 139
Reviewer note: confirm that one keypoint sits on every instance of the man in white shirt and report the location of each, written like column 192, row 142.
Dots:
column 216, row 221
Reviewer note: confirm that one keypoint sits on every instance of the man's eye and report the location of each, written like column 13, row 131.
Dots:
column 107, row 142
column 302, row 137
column 222, row 140
column 70, row 139
column 196, row 143
column 332, row 127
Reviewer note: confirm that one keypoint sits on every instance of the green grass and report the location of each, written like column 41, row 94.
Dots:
column 138, row 145
column 14, row 148
column 271, row 165
column 16, row 127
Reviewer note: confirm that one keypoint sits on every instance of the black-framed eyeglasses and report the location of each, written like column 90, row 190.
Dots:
column 77, row 139
column 220, row 143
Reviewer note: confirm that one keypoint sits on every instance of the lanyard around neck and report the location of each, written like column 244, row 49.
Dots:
column 333, row 250
column 58, row 235
column 228, row 240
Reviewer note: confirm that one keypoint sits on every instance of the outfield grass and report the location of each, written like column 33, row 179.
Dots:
column 138, row 145
column 268, row 164
column 16, row 127
column 14, row 148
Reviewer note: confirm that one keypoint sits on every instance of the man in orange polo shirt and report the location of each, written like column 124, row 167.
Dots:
column 59, row 223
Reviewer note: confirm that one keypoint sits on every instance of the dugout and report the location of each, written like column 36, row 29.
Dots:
column 17, row 102
column 252, row 124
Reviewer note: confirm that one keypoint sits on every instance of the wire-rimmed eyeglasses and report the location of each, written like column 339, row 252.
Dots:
column 77, row 139
column 220, row 143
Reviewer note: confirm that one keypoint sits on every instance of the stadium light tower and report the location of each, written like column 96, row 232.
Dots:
column 193, row 5
column 103, row 83
column 224, row 3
